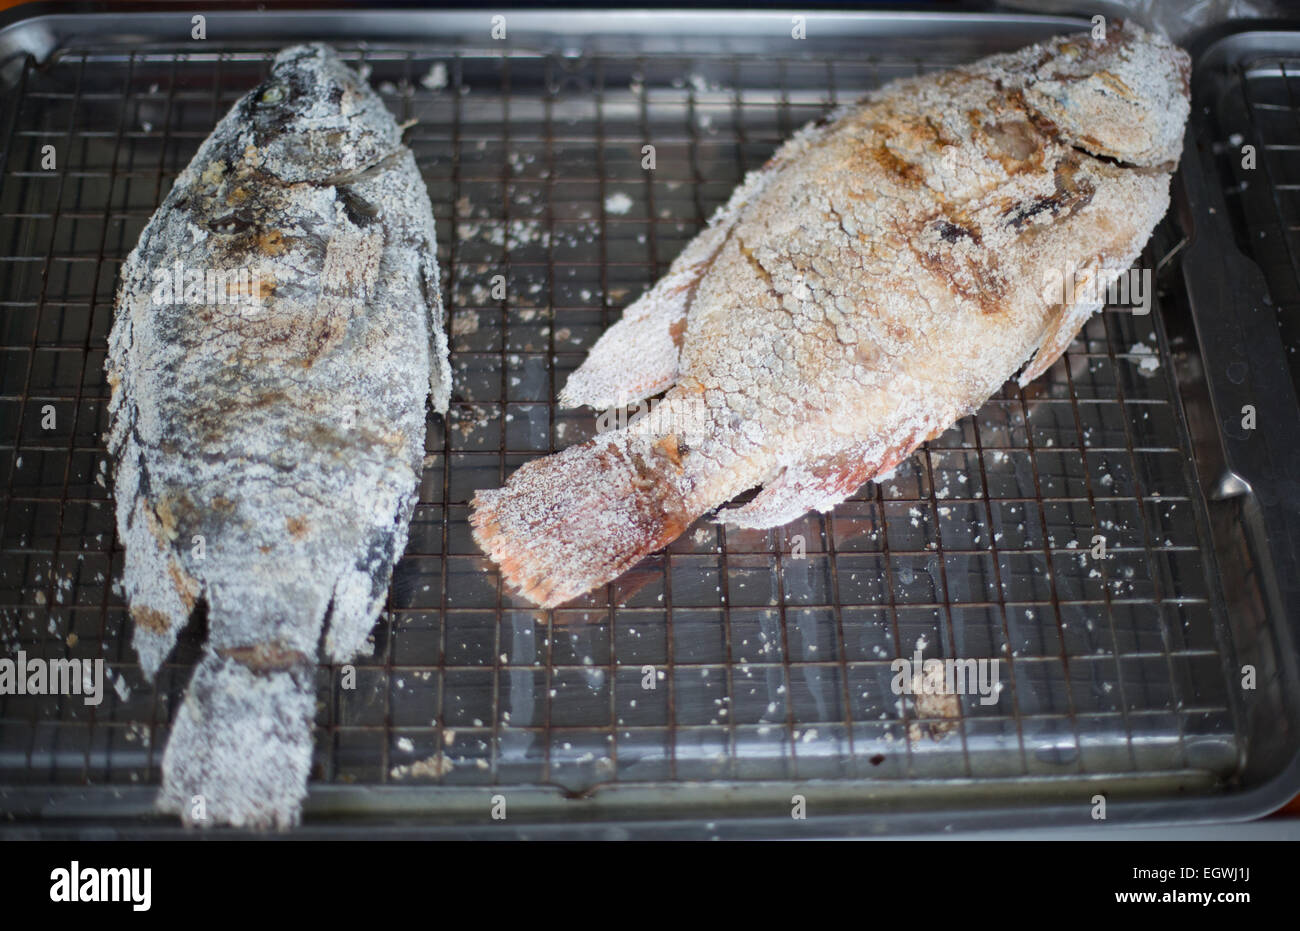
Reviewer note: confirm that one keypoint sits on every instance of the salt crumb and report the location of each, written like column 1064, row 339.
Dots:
column 464, row 322
column 436, row 79
column 618, row 203
column 435, row 766
column 1149, row 362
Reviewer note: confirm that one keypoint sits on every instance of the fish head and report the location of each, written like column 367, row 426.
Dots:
column 1123, row 95
column 314, row 118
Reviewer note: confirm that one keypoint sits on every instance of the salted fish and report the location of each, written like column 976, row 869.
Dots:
column 278, row 329
column 877, row 280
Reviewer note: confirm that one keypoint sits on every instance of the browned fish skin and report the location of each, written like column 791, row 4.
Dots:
column 878, row 280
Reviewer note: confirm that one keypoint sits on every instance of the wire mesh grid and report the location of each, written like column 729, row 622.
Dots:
column 769, row 652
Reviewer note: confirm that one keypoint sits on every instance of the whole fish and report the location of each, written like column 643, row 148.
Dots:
column 278, row 328
column 876, row 281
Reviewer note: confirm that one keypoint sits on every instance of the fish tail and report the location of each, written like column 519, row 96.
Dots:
column 241, row 744
column 564, row 524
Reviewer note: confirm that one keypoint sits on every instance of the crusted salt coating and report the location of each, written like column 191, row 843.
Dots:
column 878, row 280
column 269, row 449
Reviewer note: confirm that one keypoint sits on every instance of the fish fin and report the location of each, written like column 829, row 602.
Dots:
column 1060, row 333
column 353, row 612
column 241, row 744
column 799, row 489
column 155, row 584
column 564, row 524
column 359, row 593
column 820, row 486
column 439, row 355
column 160, row 591
column 637, row 357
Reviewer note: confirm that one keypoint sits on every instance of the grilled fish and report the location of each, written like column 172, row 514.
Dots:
column 278, row 329
column 878, row 279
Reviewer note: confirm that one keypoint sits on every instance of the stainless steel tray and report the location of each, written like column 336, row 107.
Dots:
column 1123, row 676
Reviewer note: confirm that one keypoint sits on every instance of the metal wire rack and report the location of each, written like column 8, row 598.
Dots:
column 769, row 651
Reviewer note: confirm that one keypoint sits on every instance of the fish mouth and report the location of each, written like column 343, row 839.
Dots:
column 1116, row 162
column 370, row 169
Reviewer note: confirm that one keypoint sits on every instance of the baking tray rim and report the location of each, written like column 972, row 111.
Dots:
column 1213, row 248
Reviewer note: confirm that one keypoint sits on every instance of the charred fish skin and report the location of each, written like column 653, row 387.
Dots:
column 278, row 330
column 876, row 281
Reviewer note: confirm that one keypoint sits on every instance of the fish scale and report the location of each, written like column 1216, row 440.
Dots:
column 876, row 281
column 268, row 450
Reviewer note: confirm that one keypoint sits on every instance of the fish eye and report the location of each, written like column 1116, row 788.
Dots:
column 229, row 224
column 274, row 94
